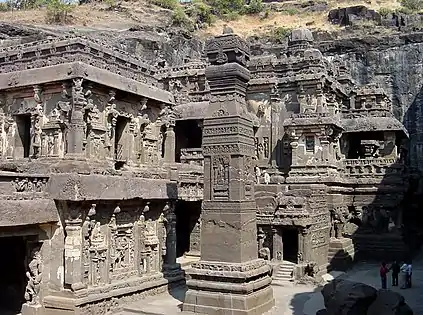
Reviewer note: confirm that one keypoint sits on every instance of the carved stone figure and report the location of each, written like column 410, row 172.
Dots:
column 34, row 275
column 258, row 174
column 266, row 177
column 337, row 222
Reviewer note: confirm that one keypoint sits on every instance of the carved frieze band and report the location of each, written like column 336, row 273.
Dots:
column 236, row 148
column 29, row 184
column 93, row 52
column 220, row 266
column 227, row 130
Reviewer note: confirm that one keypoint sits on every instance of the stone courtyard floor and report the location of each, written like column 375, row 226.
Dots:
column 296, row 299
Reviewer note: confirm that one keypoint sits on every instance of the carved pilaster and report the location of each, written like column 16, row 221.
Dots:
column 73, row 251
column 170, row 216
column 76, row 130
column 277, row 244
column 168, row 117
column 36, row 122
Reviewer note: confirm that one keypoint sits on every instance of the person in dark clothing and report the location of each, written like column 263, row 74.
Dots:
column 395, row 272
column 383, row 272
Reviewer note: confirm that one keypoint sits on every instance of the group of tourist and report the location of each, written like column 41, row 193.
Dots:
column 405, row 271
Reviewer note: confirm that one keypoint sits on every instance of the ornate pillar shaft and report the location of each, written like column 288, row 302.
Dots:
column 171, row 238
column 77, row 125
column 229, row 254
column 73, row 254
column 170, row 144
column 277, row 244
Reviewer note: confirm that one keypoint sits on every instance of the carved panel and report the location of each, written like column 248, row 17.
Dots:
column 319, row 238
column 190, row 191
column 29, row 184
column 238, row 148
column 220, row 175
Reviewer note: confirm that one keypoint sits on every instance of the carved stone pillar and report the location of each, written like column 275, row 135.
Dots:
column 324, row 142
column 277, row 244
column 36, row 122
column 141, row 251
column 229, row 257
column 77, row 125
column 73, row 251
column 171, row 235
column 304, row 248
column 170, row 143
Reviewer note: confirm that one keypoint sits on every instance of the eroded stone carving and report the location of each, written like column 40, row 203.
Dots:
column 34, row 275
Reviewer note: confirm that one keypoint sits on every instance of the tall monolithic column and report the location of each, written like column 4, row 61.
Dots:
column 229, row 278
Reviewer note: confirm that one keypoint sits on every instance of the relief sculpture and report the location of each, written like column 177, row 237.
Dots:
column 34, row 275
column 221, row 176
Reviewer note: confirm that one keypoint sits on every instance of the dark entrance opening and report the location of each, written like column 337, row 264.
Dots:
column 187, row 215
column 188, row 136
column 290, row 244
column 23, row 140
column 120, row 131
column 13, row 280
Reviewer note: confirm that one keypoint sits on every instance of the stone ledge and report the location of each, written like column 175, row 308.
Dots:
column 138, row 285
column 24, row 212
column 73, row 70
column 94, row 187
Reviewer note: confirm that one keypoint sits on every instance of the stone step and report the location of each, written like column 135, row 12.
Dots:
column 283, row 283
column 284, row 272
column 164, row 304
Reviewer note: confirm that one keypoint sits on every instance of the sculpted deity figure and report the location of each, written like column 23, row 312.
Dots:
column 34, row 275
column 258, row 174
column 266, row 177
column 337, row 222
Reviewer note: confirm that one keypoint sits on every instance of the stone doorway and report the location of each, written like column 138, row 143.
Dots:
column 120, row 139
column 23, row 136
column 290, row 244
column 187, row 229
column 13, row 280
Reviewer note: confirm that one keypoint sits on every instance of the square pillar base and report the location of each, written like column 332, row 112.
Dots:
column 341, row 253
column 28, row 309
column 217, row 288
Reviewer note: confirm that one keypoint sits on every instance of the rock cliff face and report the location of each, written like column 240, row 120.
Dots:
column 396, row 63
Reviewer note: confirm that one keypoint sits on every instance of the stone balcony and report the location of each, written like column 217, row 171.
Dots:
column 192, row 156
column 377, row 169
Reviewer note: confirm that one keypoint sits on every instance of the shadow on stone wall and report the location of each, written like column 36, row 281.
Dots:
column 390, row 226
column 173, row 272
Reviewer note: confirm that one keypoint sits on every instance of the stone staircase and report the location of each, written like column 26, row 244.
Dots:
column 283, row 273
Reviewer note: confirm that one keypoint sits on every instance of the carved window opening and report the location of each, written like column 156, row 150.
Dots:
column 23, row 136
column 13, row 280
column 188, row 136
column 363, row 145
column 309, row 142
column 122, row 127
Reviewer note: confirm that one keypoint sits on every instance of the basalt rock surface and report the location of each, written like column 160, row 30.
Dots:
column 354, row 298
